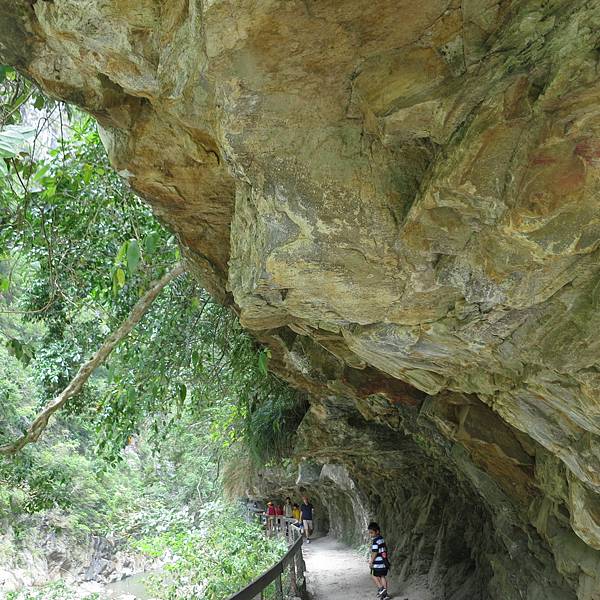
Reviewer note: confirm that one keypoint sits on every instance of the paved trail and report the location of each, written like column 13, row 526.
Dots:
column 336, row 572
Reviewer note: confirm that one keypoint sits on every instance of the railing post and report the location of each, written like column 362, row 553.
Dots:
column 293, row 577
column 295, row 561
column 300, row 566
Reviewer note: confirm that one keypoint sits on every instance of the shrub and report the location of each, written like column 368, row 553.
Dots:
column 214, row 560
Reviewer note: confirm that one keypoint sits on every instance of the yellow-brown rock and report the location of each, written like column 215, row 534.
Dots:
column 408, row 189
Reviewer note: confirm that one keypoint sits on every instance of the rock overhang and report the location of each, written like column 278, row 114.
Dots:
column 409, row 190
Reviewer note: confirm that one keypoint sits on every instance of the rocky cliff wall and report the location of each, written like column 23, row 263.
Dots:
column 35, row 551
column 402, row 200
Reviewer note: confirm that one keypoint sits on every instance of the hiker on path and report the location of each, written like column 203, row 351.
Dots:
column 296, row 514
column 287, row 513
column 378, row 561
column 307, row 511
column 278, row 515
column 270, row 516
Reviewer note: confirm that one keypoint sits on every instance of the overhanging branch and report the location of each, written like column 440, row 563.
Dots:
column 137, row 312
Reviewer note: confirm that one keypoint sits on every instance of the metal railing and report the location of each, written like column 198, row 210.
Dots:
column 283, row 580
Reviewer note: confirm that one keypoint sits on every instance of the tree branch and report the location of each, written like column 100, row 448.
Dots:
column 137, row 312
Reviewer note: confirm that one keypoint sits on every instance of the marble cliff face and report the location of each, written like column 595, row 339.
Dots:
column 402, row 199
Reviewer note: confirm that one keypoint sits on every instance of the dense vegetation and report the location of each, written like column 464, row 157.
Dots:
column 143, row 447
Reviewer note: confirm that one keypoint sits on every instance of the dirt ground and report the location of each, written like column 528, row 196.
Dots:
column 336, row 572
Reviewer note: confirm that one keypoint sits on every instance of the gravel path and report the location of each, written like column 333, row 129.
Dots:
column 336, row 572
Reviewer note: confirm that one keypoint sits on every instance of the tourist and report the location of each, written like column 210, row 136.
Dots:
column 378, row 561
column 296, row 515
column 288, row 508
column 307, row 511
column 287, row 513
column 270, row 516
column 278, row 515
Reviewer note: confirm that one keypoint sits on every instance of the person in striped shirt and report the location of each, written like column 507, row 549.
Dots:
column 378, row 561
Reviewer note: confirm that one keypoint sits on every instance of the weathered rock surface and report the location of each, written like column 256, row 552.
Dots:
column 36, row 551
column 402, row 199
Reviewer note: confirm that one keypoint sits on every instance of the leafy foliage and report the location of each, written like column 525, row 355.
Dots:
column 57, row 590
column 144, row 445
column 215, row 561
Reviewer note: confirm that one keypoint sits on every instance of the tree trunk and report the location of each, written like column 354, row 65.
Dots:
column 137, row 312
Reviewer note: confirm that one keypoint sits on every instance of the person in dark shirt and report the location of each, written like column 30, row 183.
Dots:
column 307, row 510
column 378, row 560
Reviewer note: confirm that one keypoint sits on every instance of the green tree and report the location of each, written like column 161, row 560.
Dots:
column 184, row 393
column 86, row 249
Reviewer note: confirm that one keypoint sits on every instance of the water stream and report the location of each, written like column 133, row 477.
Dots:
column 134, row 585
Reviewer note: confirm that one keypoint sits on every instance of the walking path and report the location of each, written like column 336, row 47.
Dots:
column 336, row 572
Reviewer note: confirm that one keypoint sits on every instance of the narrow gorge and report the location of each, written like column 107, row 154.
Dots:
column 401, row 201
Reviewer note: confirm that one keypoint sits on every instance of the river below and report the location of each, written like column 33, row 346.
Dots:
column 134, row 585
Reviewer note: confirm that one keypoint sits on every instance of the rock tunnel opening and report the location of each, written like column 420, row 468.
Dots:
column 451, row 529
column 439, row 536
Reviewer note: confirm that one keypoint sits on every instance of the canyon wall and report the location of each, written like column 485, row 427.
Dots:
column 402, row 200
